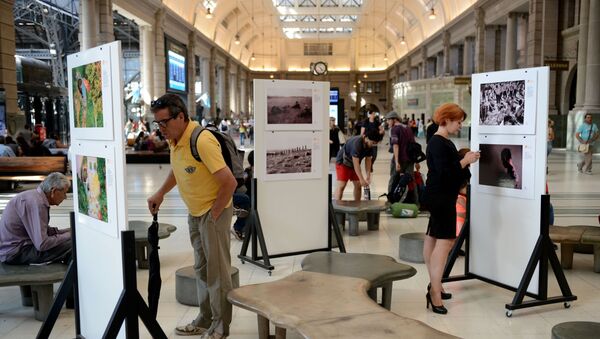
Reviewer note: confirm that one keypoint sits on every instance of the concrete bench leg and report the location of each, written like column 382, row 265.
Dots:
column 43, row 296
column 280, row 333
column 386, row 295
column 263, row 327
column 373, row 221
column 597, row 258
column 353, row 223
column 26, row 295
column 141, row 254
column 372, row 293
column 566, row 256
column 341, row 220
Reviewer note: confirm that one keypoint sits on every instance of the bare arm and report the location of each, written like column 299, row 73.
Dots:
column 358, row 171
column 227, row 184
column 578, row 136
column 396, row 154
column 157, row 198
column 362, row 131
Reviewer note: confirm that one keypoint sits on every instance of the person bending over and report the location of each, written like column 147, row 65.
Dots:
column 25, row 234
column 347, row 166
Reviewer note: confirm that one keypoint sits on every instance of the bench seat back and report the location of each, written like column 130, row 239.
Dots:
column 33, row 165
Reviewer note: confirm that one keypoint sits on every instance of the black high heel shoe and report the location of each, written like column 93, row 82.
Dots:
column 445, row 296
column 434, row 308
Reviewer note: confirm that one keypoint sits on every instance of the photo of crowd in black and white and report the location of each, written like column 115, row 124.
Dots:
column 289, row 160
column 289, row 106
column 502, row 103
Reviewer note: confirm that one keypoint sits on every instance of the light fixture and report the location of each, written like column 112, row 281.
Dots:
column 385, row 58
column 237, row 39
column 402, row 41
column 365, row 75
column 208, row 13
column 252, row 57
column 45, row 10
column 271, row 76
column 359, row 82
column 432, row 13
column 52, row 49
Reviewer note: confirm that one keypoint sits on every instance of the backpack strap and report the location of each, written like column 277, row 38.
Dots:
column 194, row 142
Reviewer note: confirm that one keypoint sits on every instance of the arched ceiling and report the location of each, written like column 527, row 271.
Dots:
column 370, row 32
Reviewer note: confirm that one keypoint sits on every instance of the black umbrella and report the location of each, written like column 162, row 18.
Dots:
column 154, row 280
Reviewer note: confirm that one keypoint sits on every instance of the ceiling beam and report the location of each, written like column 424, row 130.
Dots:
column 319, row 11
column 314, row 24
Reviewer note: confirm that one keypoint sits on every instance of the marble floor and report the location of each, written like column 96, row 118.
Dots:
column 475, row 311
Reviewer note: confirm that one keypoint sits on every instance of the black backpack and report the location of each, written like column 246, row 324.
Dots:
column 415, row 152
column 399, row 188
column 229, row 151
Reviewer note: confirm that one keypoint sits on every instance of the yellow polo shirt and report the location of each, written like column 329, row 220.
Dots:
column 197, row 186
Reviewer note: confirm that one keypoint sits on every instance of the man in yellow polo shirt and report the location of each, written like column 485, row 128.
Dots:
column 206, row 188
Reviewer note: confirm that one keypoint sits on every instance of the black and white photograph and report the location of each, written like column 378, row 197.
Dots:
column 502, row 103
column 292, row 155
column 501, row 166
column 290, row 106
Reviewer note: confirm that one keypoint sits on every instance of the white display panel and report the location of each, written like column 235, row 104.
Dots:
column 505, row 102
column 91, row 79
column 293, row 213
column 99, row 257
column 505, row 222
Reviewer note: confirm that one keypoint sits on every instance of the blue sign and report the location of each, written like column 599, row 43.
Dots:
column 334, row 96
column 176, row 74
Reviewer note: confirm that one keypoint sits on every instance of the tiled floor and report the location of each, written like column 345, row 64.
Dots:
column 475, row 311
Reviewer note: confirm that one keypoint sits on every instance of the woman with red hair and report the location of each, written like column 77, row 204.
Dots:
column 447, row 171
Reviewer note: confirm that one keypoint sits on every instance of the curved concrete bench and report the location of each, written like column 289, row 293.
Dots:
column 411, row 247
column 353, row 209
column 571, row 236
column 328, row 306
column 576, row 330
column 379, row 270
column 185, row 284
column 36, row 283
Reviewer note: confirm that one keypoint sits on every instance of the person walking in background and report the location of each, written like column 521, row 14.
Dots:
column 400, row 136
column 372, row 123
column 550, row 136
column 446, row 174
column 334, row 138
column 586, row 134
column 347, row 163
column 206, row 188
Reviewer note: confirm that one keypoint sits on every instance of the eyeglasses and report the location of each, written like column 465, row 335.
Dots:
column 162, row 123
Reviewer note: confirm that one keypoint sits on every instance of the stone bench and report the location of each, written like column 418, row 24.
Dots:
column 36, row 283
column 570, row 236
column 411, row 247
column 576, row 330
column 380, row 270
column 141, row 238
column 353, row 209
column 328, row 306
column 185, row 284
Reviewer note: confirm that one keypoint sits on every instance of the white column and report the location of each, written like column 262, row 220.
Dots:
column 582, row 53
column 159, row 54
column 191, row 69
column 147, row 74
column 592, row 97
column 511, row 41
column 89, row 27
column 446, row 55
column 522, row 27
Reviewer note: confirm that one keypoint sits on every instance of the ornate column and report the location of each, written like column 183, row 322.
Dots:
column 522, row 27
column 582, row 54
column 147, row 74
column 211, row 83
column 408, row 68
column 479, row 40
column 238, row 89
column 424, row 62
column 226, row 104
column 469, row 55
column 191, row 69
column 159, row 54
column 511, row 41
column 107, row 33
column 8, row 67
column 88, row 26
column 446, row 58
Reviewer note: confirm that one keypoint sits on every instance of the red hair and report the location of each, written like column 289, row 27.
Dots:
column 448, row 111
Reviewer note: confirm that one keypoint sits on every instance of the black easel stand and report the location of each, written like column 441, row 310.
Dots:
column 254, row 233
column 131, row 304
column 68, row 286
column 542, row 253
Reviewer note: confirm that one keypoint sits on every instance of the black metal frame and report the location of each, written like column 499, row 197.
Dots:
column 542, row 253
column 131, row 304
column 68, row 286
column 254, row 233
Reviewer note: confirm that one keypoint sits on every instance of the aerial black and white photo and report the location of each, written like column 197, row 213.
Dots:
column 289, row 160
column 502, row 103
column 292, row 155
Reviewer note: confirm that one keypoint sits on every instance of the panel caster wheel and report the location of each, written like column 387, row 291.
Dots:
column 269, row 273
column 243, row 262
column 567, row 305
column 509, row 313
